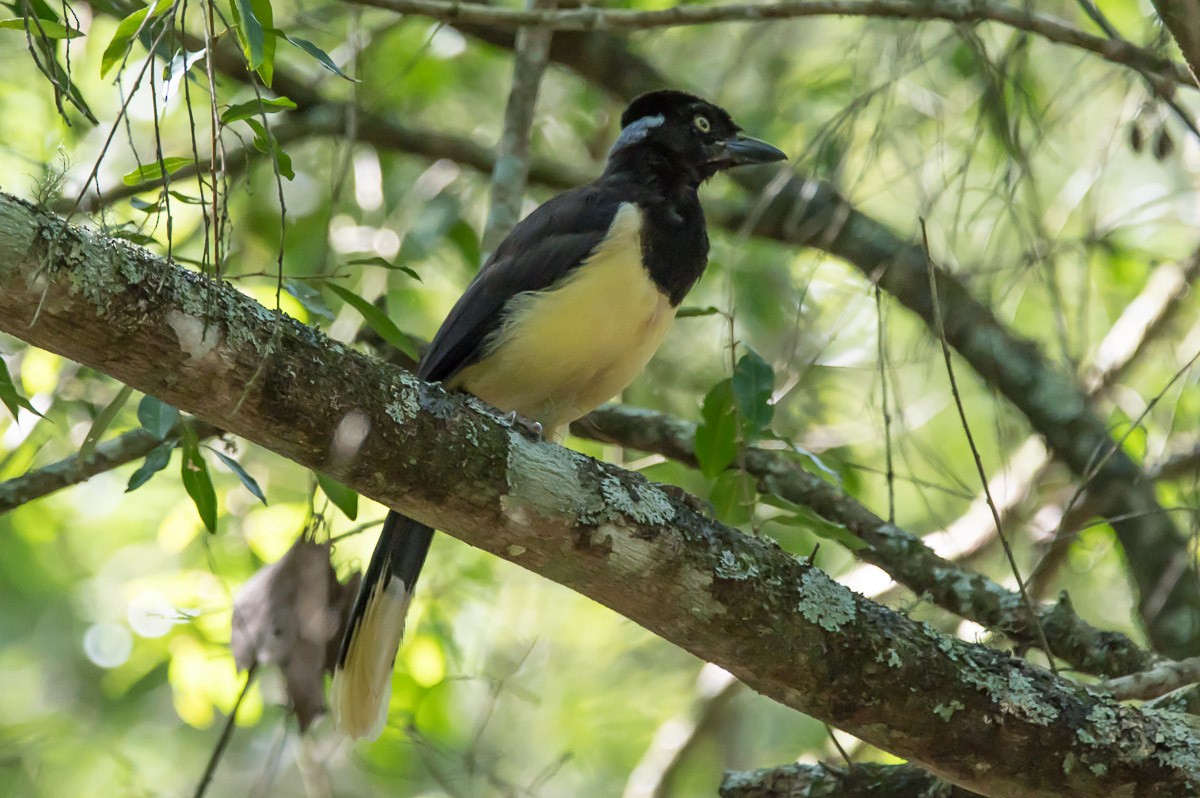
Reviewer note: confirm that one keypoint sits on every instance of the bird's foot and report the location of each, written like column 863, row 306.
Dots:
column 526, row 425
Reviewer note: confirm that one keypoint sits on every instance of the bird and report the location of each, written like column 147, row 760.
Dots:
column 562, row 316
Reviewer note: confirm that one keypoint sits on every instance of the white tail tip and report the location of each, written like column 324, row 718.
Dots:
column 362, row 684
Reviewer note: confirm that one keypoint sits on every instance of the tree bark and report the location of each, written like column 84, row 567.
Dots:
column 825, row 781
column 978, row 717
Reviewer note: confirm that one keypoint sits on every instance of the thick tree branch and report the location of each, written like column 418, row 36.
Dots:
column 776, row 622
column 593, row 18
column 812, row 213
column 806, row 212
column 827, row 781
column 902, row 554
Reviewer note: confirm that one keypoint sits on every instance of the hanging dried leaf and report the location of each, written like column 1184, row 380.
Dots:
column 290, row 615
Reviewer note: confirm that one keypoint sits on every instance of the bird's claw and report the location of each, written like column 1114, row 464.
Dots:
column 529, row 426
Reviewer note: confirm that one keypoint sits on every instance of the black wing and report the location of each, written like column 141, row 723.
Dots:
column 542, row 249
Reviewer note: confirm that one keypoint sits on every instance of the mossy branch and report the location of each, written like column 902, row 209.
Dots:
column 778, row 623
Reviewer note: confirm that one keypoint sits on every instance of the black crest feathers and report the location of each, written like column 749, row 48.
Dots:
column 669, row 102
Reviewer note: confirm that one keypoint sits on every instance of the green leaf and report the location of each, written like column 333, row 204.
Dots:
column 733, row 497
column 716, row 437
column 9, row 394
column 250, row 31
column 412, row 248
column 694, row 312
column 377, row 320
column 309, row 297
column 197, row 481
column 265, row 141
column 236, row 467
column 103, row 420
column 156, row 461
column 47, row 27
column 140, row 204
column 808, row 519
column 818, row 465
column 322, row 57
column 262, row 10
column 158, row 418
column 463, row 236
column 387, row 264
column 253, row 108
column 753, row 382
column 185, row 199
column 154, row 171
column 177, row 68
column 129, row 27
column 342, row 497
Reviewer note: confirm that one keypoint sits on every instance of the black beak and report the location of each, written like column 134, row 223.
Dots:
column 741, row 150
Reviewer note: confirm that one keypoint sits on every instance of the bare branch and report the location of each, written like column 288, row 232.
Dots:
column 813, row 213
column 1158, row 681
column 900, row 553
column 594, row 18
column 124, row 448
column 512, row 154
column 827, row 781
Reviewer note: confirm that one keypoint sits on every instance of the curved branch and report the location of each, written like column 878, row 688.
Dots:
column 902, row 554
column 593, row 18
column 812, row 213
column 776, row 622
column 124, row 448
column 856, row 781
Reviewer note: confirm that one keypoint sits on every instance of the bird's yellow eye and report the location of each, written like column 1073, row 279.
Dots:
column 701, row 123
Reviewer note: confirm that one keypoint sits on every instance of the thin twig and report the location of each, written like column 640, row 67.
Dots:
column 880, row 335
column 226, row 733
column 940, row 329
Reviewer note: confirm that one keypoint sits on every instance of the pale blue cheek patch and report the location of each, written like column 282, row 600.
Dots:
column 635, row 131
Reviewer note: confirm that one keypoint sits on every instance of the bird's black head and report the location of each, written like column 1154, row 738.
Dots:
column 692, row 132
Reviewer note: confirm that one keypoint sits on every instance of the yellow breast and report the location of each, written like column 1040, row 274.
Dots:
column 563, row 352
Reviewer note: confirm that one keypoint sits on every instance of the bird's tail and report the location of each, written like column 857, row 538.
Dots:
column 362, row 681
